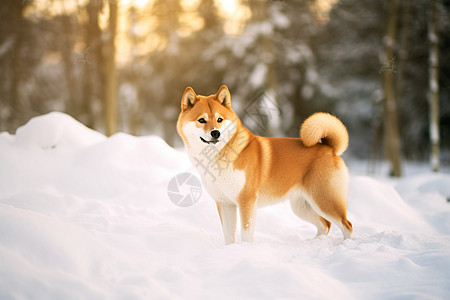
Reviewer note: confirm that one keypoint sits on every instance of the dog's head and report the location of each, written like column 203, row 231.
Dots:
column 206, row 120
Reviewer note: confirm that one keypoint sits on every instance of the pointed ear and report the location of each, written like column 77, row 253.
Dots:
column 189, row 98
column 224, row 96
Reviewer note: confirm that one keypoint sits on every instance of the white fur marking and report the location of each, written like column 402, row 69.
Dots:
column 228, row 214
column 248, row 229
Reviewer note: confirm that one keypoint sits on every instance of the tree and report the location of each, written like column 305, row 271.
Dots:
column 349, row 59
column 91, row 61
column 110, row 92
column 434, row 84
column 391, row 130
column 13, row 28
column 66, row 45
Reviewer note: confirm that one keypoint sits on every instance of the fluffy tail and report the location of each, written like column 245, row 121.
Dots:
column 327, row 129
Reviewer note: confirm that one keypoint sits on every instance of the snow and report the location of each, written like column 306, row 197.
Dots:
column 83, row 216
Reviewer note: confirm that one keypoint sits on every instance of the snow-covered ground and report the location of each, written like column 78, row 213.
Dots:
column 83, row 216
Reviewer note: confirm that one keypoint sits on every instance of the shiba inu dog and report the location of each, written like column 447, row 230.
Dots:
column 243, row 171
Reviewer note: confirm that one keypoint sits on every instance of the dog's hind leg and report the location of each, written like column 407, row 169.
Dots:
column 328, row 196
column 228, row 218
column 330, row 203
column 303, row 210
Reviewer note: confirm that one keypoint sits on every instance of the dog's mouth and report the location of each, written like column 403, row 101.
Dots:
column 213, row 142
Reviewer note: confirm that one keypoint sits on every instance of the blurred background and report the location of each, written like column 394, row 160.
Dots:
column 381, row 66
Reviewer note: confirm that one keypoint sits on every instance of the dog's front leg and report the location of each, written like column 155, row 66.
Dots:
column 247, row 210
column 227, row 215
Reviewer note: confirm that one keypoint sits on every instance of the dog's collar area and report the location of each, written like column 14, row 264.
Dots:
column 209, row 142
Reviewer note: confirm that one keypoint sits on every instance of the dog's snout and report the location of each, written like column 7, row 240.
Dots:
column 215, row 134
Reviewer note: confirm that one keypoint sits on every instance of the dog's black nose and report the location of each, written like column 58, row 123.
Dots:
column 215, row 134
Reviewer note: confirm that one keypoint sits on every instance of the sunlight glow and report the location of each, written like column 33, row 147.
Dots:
column 140, row 3
column 323, row 8
column 229, row 6
column 235, row 15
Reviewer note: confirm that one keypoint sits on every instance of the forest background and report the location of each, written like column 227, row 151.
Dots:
column 382, row 67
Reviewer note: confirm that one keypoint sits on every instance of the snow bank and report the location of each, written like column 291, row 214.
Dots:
column 56, row 130
column 375, row 203
column 83, row 216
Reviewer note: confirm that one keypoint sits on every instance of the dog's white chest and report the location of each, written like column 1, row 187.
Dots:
column 227, row 186
column 220, row 180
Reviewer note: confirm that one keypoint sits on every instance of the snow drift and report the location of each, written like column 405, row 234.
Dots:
column 83, row 216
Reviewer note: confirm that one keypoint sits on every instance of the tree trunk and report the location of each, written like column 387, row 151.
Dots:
column 66, row 52
column 390, row 106
column 434, row 84
column 91, row 63
column 15, row 103
column 110, row 93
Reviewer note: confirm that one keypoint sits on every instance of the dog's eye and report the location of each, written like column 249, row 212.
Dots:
column 202, row 120
column 219, row 120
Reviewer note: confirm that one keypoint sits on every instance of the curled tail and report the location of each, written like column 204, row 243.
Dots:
column 327, row 127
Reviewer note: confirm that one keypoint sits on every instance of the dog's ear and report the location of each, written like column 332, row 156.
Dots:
column 189, row 98
column 224, row 96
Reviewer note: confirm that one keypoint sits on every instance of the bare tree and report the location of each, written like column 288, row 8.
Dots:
column 110, row 92
column 16, row 65
column 92, row 61
column 66, row 46
column 434, row 84
column 391, row 130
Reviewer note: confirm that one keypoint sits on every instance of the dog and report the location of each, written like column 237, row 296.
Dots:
column 246, row 171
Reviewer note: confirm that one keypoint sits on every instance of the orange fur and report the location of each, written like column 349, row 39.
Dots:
column 324, row 126
column 308, row 171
